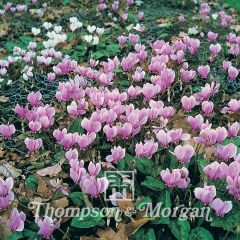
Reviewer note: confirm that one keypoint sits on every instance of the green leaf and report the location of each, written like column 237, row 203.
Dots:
column 88, row 218
column 113, row 49
column 180, row 229
column 144, row 200
column 143, row 165
column 153, row 184
column 26, row 39
column 139, row 235
column 30, row 234
column 77, row 198
column 100, row 54
column 31, row 182
column 200, row 233
column 229, row 220
column 80, row 50
column 9, row 46
column 14, row 236
column 132, row 18
column 164, row 198
column 150, row 235
column 58, row 155
column 75, row 126
column 121, row 164
column 202, row 163
column 70, row 36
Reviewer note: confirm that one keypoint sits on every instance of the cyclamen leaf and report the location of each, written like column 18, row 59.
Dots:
column 180, row 229
column 200, row 233
column 75, row 126
column 90, row 220
column 153, row 184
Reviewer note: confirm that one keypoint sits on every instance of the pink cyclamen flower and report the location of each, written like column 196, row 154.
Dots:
column 233, row 129
column 16, row 223
column 232, row 73
column 118, row 153
column 6, row 193
column 188, row 103
column 56, row 183
column 233, row 106
column 207, row 107
column 215, row 50
column 133, row 38
column 212, row 36
column 94, row 169
column 84, row 140
column 77, row 109
column 195, row 122
column 221, row 134
column 225, row 152
column 181, row 18
column 77, row 170
column 51, row 76
column 121, row 40
column 232, row 170
column 226, row 65
column 47, row 227
column 147, row 149
column 178, row 135
column 212, row 171
column 140, row 16
column 234, row 186
column 184, row 153
column 125, row 131
column 149, row 91
column 177, row 178
column 205, row 194
column 34, row 98
column 207, row 137
column 111, row 132
column 91, row 125
column 94, row 186
column 133, row 92
column 33, row 144
column 115, row 197
column 21, row 111
column 187, row 75
column 163, row 138
column 35, row 126
column 7, row 130
column 221, row 207
column 72, row 154
column 203, row 71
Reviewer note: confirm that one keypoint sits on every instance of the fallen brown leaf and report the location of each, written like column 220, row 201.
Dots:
column 3, row 99
column 60, row 203
column 3, row 29
column 8, row 170
column 51, row 171
column 43, row 188
column 163, row 20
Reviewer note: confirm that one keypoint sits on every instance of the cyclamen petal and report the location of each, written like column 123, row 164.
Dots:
column 221, row 207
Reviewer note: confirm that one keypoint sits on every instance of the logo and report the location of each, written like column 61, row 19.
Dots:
column 120, row 182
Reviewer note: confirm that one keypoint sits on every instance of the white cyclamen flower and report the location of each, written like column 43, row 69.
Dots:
column 88, row 38
column 95, row 40
column 57, row 29
column 36, row 31
column 91, row 29
column 100, row 31
column 47, row 25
